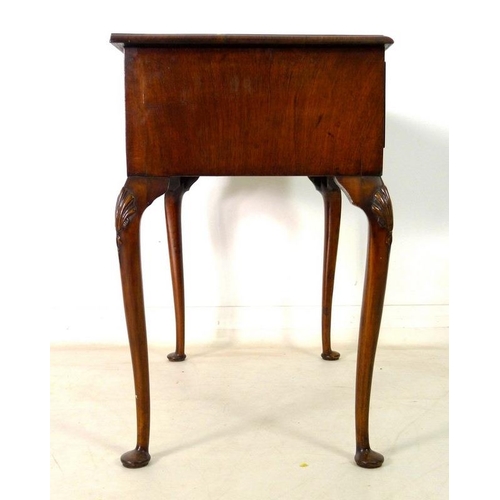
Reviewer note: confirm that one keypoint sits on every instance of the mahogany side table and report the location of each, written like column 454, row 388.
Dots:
column 214, row 105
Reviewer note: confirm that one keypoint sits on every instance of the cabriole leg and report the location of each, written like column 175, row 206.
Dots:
column 173, row 203
column 135, row 196
column 333, row 206
column 371, row 195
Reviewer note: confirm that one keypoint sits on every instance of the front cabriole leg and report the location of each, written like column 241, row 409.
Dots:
column 135, row 196
column 371, row 195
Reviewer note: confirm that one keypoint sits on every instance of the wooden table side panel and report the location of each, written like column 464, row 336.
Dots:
column 217, row 111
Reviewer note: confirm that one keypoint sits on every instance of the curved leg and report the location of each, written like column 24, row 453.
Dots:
column 333, row 206
column 371, row 195
column 173, row 202
column 135, row 196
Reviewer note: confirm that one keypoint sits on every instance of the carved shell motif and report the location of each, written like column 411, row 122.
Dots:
column 382, row 209
column 125, row 211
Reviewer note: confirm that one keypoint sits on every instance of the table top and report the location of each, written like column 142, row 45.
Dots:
column 122, row 40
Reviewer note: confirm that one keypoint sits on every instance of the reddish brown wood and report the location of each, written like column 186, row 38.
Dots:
column 122, row 40
column 135, row 196
column 371, row 195
column 242, row 111
column 173, row 201
column 333, row 206
column 254, row 105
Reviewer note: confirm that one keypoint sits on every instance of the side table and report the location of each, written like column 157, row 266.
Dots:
column 225, row 105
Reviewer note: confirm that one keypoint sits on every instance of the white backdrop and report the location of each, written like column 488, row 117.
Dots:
column 253, row 247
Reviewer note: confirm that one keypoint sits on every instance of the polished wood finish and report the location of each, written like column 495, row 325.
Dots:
column 173, row 199
column 333, row 205
column 371, row 195
column 242, row 111
column 122, row 40
column 135, row 196
column 199, row 105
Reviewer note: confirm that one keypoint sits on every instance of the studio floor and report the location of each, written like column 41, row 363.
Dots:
column 238, row 422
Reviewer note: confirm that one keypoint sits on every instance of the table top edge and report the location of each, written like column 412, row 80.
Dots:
column 122, row 40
